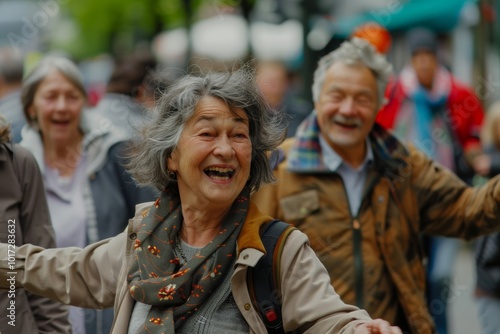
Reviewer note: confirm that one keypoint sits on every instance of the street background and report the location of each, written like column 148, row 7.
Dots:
column 463, row 311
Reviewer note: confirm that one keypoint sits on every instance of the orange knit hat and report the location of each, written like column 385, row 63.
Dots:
column 374, row 33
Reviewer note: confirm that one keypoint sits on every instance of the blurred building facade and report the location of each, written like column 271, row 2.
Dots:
column 293, row 31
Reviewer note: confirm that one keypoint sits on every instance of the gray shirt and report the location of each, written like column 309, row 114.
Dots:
column 353, row 178
column 67, row 209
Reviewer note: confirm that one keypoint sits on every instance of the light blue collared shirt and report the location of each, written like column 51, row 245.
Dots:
column 353, row 178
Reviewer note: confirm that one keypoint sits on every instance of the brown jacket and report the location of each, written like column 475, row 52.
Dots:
column 97, row 277
column 24, row 218
column 377, row 250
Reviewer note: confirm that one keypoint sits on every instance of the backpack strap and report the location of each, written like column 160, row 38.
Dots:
column 265, row 278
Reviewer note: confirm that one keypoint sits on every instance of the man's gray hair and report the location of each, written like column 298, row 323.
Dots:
column 159, row 136
column 354, row 51
column 32, row 81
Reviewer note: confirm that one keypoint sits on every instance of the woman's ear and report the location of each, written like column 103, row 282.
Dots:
column 31, row 113
column 171, row 164
column 172, row 168
column 32, row 117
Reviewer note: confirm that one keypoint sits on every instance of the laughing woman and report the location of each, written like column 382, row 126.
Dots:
column 90, row 196
column 181, row 267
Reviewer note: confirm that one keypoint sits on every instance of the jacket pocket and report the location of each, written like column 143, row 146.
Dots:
column 301, row 205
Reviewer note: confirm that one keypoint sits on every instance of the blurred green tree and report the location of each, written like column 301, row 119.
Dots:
column 116, row 26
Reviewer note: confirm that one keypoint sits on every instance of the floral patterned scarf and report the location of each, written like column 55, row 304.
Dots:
column 156, row 277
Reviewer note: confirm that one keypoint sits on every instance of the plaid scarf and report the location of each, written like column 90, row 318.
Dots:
column 305, row 155
column 155, row 275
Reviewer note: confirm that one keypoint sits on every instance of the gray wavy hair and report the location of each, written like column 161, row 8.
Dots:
column 354, row 51
column 4, row 130
column 32, row 81
column 161, row 133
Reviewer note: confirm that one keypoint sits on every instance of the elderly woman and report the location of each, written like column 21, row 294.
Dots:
column 24, row 218
column 181, row 267
column 90, row 196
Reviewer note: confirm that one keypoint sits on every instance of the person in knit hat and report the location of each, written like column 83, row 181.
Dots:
column 429, row 107
column 422, row 39
column 423, row 48
column 376, row 34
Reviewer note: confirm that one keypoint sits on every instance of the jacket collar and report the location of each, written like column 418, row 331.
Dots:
column 250, row 233
column 305, row 155
column 390, row 154
column 249, row 237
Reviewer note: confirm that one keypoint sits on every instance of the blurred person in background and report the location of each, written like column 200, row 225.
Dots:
column 428, row 107
column 129, row 92
column 11, row 76
column 90, row 195
column 487, row 248
column 487, row 164
column 25, row 219
column 273, row 80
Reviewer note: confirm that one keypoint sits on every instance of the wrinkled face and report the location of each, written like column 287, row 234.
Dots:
column 57, row 105
column 347, row 106
column 425, row 64
column 212, row 159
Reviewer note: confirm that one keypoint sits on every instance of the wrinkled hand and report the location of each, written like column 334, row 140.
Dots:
column 377, row 326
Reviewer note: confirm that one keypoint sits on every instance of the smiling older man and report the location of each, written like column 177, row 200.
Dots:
column 364, row 199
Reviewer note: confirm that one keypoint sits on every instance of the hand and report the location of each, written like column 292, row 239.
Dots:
column 482, row 164
column 377, row 326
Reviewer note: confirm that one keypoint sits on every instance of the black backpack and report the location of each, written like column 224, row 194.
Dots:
column 264, row 278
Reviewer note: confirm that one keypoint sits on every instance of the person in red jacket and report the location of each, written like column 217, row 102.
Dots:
column 443, row 103
column 430, row 108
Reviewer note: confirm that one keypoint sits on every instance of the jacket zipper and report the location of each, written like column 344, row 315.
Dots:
column 358, row 262
column 357, row 238
column 358, row 252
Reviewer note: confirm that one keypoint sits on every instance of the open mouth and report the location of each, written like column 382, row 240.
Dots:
column 57, row 122
column 347, row 125
column 218, row 173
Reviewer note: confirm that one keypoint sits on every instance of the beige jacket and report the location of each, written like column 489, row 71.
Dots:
column 96, row 277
